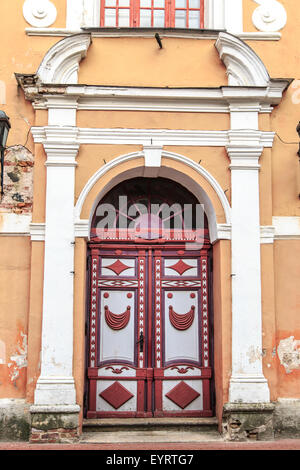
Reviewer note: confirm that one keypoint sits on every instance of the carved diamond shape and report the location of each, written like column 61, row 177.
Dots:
column 182, row 395
column 117, row 267
column 180, row 267
column 116, row 395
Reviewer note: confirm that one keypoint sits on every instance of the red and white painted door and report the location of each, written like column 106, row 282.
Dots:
column 149, row 351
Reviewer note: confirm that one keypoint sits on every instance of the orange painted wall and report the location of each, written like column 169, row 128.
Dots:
column 153, row 120
column 287, row 255
column 221, row 322
column 129, row 61
column 14, row 303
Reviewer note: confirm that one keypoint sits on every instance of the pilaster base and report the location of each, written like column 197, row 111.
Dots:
column 245, row 421
column 54, row 424
column 55, row 391
column 249, row 389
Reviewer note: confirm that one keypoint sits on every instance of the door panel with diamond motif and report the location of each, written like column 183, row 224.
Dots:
column 148, row 332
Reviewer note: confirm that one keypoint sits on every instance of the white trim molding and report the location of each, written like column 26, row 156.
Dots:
column 202, row 100
column 286, row 228
column 267, row 234
column 37, row 232
column 14, row 224
column 151, row 137
column 61, row 62
column 244, row 67
column 215, row 231
column 269, row 16
column 143, row 33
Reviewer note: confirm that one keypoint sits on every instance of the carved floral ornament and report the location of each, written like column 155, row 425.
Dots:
column 39, row 13
column 270, row 16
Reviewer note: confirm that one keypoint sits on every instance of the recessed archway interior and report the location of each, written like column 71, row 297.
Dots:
column 151, row 208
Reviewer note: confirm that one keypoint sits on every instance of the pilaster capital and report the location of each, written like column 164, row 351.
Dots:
column 243, row 157
column 61, row 154
column 60, row 143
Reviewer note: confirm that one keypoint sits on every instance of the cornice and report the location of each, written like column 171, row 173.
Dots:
column 89, row 97
column 62, row 137
column 117, row 32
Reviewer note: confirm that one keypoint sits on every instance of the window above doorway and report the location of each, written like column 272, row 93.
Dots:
column 152, row 13
column 189, row 14
column 191, row 18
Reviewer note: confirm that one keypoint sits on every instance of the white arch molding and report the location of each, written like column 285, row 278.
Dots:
column 61, row 63
column 82, row 227
column 244, row 67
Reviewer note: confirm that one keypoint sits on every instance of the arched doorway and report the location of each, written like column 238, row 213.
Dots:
column 149, row 322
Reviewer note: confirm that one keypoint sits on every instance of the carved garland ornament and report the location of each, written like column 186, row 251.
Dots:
column 182, row 322
column 117, row 322
column 270, row 16
column 39, row 13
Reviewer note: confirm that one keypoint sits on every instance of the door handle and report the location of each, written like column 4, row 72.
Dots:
column 141, row 341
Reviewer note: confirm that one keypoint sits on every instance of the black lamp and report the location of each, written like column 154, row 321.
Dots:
column 4, row 130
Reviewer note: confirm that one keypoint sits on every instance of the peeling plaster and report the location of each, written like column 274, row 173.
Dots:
column 254, row 354
column 289, row 354
column 18, row 181
column 19, row 359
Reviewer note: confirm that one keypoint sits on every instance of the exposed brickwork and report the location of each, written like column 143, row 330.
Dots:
column 54, row 436
column 18, row 180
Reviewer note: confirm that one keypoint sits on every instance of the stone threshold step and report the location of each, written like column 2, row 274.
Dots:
column 146, row 424
column 151, row 435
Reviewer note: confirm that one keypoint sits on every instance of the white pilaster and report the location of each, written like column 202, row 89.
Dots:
column 248, row 384
column 234, row 16
column 219, row 14
column 82, row 13
column 55, row 385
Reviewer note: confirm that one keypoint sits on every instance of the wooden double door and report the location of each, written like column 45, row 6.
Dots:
column 149, row 331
